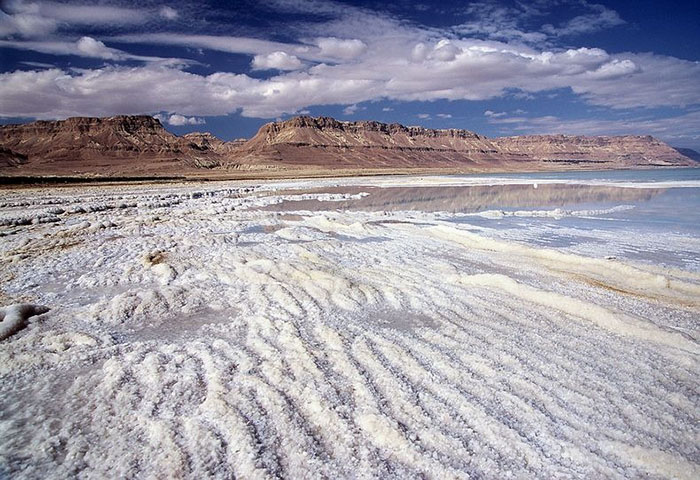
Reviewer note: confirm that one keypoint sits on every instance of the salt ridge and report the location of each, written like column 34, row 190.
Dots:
column 192, row 334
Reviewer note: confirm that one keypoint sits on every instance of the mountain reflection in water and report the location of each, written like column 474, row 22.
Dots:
column 472, row 198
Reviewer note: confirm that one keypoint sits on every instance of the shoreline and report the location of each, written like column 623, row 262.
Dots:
column 14, row 181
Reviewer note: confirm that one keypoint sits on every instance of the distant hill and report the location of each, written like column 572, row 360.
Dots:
column 328, row 143
column 140, row 146
column 121, row 145
column 689, row 152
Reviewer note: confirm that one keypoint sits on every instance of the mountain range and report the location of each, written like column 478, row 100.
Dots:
column 139, row 146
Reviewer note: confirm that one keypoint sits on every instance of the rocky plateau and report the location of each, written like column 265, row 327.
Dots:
column 139, row 146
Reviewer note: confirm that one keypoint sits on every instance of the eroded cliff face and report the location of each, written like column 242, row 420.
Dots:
column 628, row 149
column 84, row 134
column 328, row 132
column 326, row 142
column 139, row 145
column 10, row 158
column 123, row 145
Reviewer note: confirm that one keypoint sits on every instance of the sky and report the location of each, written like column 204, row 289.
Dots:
column 494, row 67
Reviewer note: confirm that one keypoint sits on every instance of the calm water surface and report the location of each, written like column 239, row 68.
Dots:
column 652, row 216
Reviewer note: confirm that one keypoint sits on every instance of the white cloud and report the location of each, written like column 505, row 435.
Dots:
column 423, row 116
column 38, row 64
column 444, row 115
column 168, row 13
column 86, row 47
column 90, row 14
column 276, row 60
column 341, row 48
column 387, row 109
column 445, row 51
column 90, row 47
column 600, row 18
column 419, row 52
column 179, row 120
column 355, row 56
column 519, row 22
column 56, row 93
column 350, row 109
column 223, row 43
column 25, row 25
column 481, row 71
column 614, row 69
column 492, row 114
column 39, row 19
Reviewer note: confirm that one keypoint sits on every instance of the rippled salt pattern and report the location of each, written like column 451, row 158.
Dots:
column 195, row 333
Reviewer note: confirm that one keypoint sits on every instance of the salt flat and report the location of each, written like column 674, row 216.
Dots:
column 194, row 331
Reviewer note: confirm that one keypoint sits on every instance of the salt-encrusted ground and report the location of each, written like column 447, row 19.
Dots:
column 193, row 334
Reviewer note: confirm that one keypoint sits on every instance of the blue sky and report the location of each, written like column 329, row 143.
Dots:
column 494, row 67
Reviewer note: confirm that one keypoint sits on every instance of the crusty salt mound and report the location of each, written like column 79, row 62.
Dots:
column 196, row 334
column 14, row 318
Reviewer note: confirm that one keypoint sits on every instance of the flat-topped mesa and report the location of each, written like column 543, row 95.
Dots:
column 640, row 148
column 88, row 132
column 341, row 142
column 324, row 142
column 360, row 127
column 125, row 123
column 122, row 144
column 136, row 145
column 122, row 123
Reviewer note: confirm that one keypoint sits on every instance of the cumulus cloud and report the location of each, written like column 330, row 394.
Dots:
column 90, row 47
column 369, row 56
column 276, row 60
column 341, row 48
column 179, row 120
column 480, row 71
column 614, row 69
column 445, row 51
column 55, row 93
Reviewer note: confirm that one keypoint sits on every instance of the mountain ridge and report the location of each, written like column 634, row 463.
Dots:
column 140, row 145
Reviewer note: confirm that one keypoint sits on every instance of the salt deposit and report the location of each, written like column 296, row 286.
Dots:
column 192, row 333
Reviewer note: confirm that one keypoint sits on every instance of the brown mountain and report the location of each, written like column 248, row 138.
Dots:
column 626, row 151
column 10, row 158
column 326, row 142
column 140, row 146
column 689, row 152
column 121, row 145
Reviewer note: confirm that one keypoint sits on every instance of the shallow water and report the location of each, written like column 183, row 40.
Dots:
column 608, row 213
